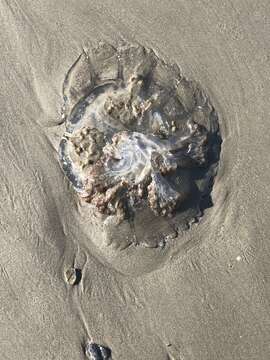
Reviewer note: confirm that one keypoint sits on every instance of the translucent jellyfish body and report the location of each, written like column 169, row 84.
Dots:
column 141, row 144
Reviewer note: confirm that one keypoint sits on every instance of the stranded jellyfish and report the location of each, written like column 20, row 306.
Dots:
column 141, row 142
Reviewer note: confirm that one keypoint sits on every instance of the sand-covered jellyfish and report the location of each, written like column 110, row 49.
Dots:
column 141, row 145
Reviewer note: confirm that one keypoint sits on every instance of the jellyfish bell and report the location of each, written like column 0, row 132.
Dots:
column 134, row 153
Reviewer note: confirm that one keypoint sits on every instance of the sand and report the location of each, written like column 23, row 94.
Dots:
column 208, row 298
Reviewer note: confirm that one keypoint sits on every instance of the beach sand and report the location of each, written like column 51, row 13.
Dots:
column 208, row 298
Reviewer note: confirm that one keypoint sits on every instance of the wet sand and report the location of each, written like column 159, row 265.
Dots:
column 210, row 298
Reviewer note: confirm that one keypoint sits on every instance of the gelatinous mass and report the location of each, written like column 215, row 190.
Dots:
column 138, row 133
